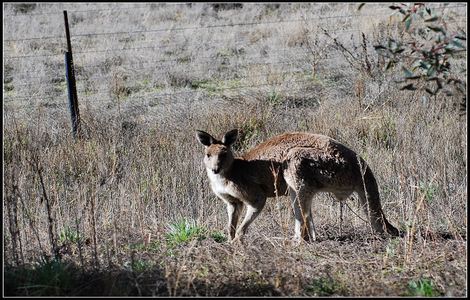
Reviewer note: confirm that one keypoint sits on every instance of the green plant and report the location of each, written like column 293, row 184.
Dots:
column 9, row 89
column 140, row 265
column 154, row 246
column 120, row 86
column 249, row 130
column 385, row 133
column 60, row 86
column 274, row 98
column 423, row 287
column 50, row 277
column 69, row 235
column 215, row 86
column 24, row 8
column 425, row 51
column 323, row 286
column 391, row 247
column 183, row 231
column 199, row 84
column 428, row 190
column 218, row 236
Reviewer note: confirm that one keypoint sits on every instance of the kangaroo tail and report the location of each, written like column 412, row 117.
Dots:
column 370, row 200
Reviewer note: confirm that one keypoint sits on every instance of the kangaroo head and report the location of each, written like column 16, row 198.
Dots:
column 218, row 154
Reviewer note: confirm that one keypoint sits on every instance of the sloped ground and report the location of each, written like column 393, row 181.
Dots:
column 352, row 266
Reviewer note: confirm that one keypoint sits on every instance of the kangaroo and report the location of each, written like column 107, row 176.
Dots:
column 298, row 164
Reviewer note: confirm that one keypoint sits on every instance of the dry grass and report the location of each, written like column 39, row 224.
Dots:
column 114, row 193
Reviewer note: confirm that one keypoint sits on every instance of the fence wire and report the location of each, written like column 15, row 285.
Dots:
column 172, row 29
column 86, row 69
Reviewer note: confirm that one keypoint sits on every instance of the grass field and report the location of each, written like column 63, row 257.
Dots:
column 127, row 209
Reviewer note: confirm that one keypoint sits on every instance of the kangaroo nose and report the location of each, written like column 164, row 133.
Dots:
column 216, row 170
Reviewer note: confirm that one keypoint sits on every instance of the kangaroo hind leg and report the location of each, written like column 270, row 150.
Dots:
column 301, row 204
column 302, row 185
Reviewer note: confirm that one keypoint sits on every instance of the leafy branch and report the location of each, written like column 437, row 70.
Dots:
column 426, row 51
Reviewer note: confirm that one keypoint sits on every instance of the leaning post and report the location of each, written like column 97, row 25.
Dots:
column 71, row 84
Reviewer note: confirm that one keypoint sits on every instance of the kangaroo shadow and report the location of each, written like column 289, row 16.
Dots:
column 367, row 237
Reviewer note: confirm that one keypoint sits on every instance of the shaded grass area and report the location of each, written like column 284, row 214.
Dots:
column 62, row 278
column 261, row 267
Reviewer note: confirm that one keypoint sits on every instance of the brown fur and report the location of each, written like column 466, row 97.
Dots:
column 300, row 164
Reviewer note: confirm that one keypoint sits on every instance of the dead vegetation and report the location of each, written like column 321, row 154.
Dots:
column 127, row 210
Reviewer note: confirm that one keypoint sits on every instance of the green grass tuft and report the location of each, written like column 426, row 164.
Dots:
column 324, row 286
column 218, row 236
column 423, row 287
column 69, row 235
column 184, row 231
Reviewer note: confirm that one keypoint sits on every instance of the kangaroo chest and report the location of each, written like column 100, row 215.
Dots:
column 218, row 183
column 223, row 187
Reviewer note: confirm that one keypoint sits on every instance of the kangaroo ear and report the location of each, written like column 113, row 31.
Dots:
column 204, row 138
column 230, row 137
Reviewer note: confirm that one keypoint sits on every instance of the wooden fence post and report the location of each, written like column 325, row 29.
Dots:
column 71, row 84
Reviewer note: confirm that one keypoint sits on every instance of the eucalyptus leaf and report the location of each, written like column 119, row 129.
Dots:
column 435, row 18
column 431, row 71
column 407, row 72
column 409, row 87
column 408, row 23
column 424, row 65
column 400, row 50
column 457, row 43
column 380, row 47
column 448, row 92
column 436, row 29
